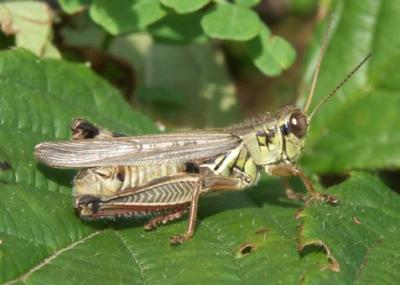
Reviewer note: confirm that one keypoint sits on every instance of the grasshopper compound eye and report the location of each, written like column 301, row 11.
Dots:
column 297, row 124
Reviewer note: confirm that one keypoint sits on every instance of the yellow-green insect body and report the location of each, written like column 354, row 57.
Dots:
column 167, row 173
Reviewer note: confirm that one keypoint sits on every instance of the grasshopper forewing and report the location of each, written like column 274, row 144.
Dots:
column 164, row 174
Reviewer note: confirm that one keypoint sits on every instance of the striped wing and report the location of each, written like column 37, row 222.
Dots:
column 139, row 150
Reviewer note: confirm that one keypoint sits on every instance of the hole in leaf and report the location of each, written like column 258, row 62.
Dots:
column 317, row 247
column 247, row 248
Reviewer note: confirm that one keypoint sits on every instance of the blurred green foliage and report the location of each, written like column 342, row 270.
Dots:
column 218, row 20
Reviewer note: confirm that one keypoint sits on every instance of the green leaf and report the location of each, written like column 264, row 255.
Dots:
column 361, row 234
column 179, row 29
column 241, row 237
column 38, row 99
column 124, row 16
column 271, row 54
column 231, row 22
column 30, row 22
column 186, row 6
column 247, row 3
column 73, row 6
column 358, row 128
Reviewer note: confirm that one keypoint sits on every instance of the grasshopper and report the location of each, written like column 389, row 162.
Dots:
column 165, row 174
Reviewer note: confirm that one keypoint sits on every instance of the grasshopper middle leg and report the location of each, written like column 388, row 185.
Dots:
column 83, row 129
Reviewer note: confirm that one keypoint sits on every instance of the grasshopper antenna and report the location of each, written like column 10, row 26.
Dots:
column 316, row 73
column 341, row 83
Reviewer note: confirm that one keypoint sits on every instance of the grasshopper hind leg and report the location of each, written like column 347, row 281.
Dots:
column 164, row 219
column 179, row 239
column 178, row 193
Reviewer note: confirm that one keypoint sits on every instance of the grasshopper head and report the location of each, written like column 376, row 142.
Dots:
column 279, row 138
column 293, row 128
column 100, row 181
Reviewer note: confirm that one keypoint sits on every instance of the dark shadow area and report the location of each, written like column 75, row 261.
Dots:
column 391, row 178
column 100, row 224
column 117, row 222
column 5, row 165
column 117, row 71
column 271, row 191
column 6, row 41
column 267, row 192
column 328, row 180
column 63, row 177
column 5, row 168
column 138, row 220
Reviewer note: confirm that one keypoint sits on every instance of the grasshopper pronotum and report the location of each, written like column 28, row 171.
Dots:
column 166, row 173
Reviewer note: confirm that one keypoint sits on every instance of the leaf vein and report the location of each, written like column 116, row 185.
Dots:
column 47, row 260
column 140, row 267
column 365, row 259
column 66, row 102
column 225, row 246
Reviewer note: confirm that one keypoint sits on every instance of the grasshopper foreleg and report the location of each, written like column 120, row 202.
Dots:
column 283, row 170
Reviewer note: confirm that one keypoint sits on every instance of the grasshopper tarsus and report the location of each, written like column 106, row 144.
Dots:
column 179, row 239
column 153, row 223
column 329, row 199
column 291, row 170
column 332, row 200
